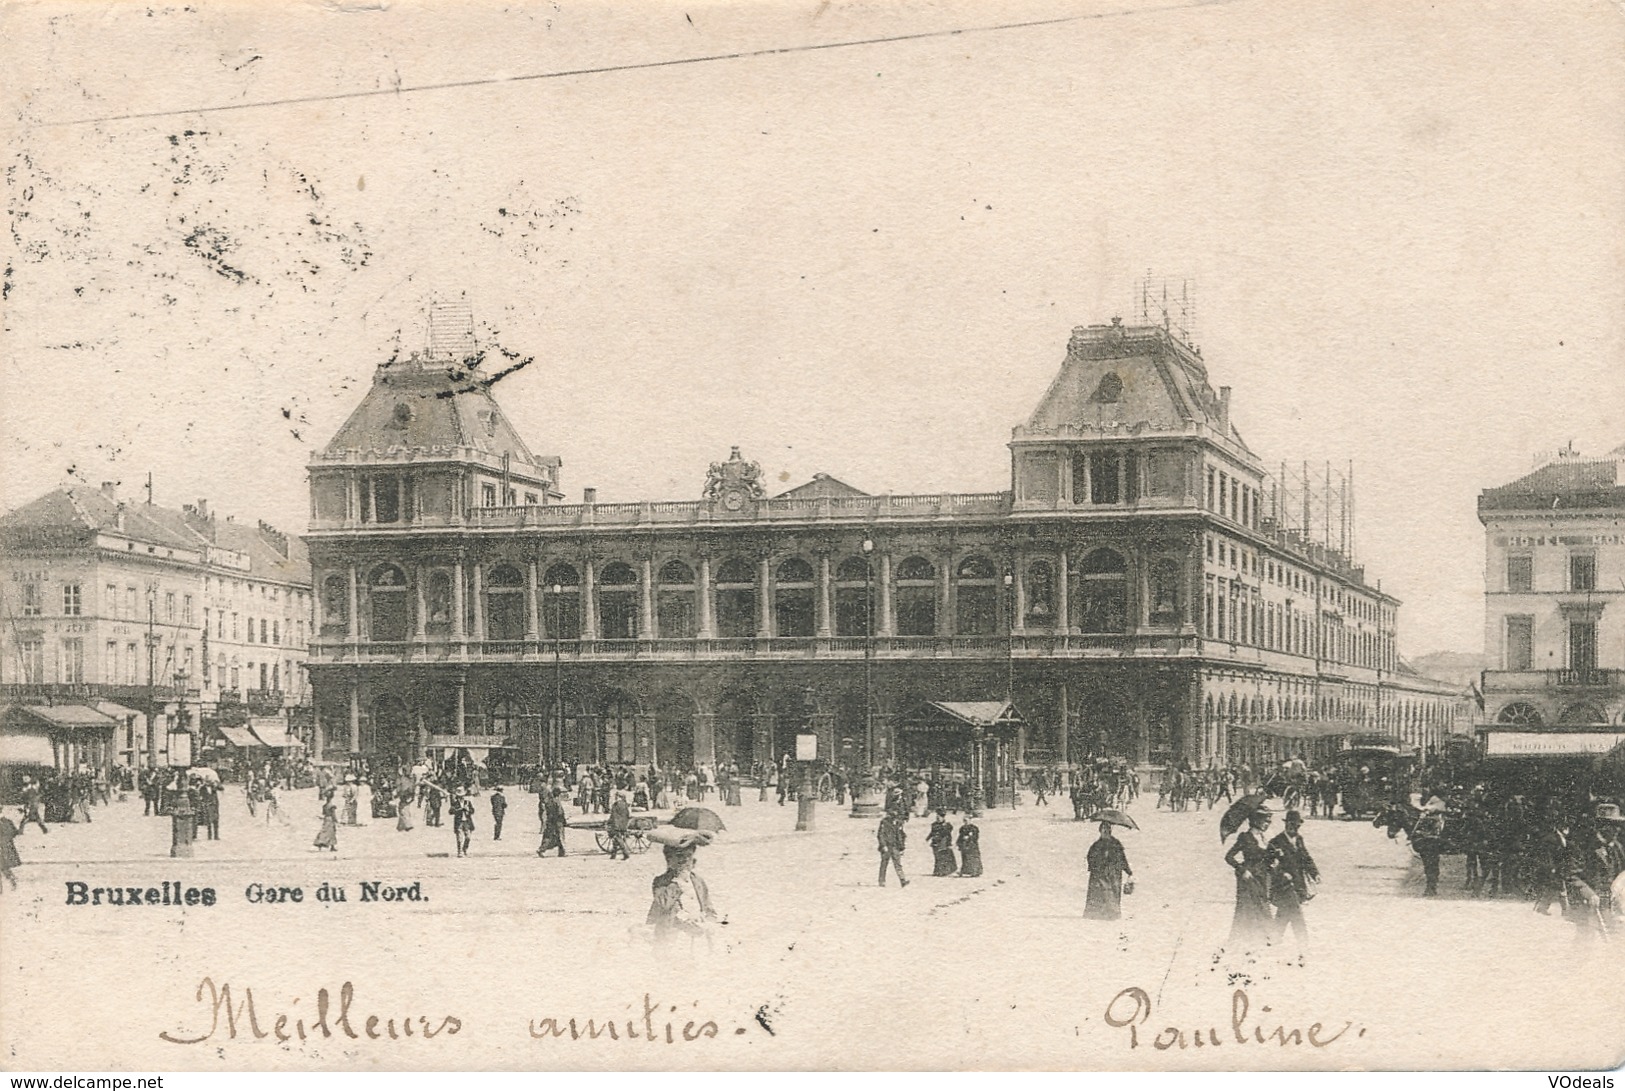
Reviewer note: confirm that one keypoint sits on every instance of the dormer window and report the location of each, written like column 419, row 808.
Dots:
column 1110, row 389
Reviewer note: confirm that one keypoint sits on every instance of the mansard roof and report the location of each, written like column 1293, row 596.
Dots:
column 425, row 406
column 86, row 511
column 1565, row 483
column 1120, row 379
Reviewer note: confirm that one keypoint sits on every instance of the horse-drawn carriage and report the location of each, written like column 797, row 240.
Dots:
column 1370, row 773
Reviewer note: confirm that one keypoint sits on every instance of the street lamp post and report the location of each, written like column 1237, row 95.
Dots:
column 556, row 728
column 183, row 819
column 807, row 796
column 866, row 793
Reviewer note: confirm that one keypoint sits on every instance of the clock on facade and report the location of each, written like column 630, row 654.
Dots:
column 733, row 499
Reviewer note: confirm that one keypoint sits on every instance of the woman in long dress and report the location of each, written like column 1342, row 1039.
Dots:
column 363, row 803
column 1249, row 857
column 328, row 836
column 970, row 850
column 1108, row 867
column 403, row 808
column 941, row 840
column 349, row 802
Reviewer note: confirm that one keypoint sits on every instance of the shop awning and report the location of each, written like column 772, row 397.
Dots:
column 117, row 711
column 964, row 716
column 1301, row 729
column 72, row 717
column 240, row 737
column 26, row 749
column 272, row 733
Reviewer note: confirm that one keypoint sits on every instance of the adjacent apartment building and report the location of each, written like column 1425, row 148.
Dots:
column 1555, row 608
column 118, row 617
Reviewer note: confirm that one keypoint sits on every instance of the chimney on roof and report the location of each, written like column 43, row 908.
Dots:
column 110, row 489
column 589, row 495
column 277, row 539
column 203, row 508
column 1224, row 409
column 118, row 515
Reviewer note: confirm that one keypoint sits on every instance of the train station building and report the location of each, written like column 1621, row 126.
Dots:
column 1140, row 590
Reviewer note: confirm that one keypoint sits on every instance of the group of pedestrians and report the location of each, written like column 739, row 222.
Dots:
column 953, row 854
column 1275, row 877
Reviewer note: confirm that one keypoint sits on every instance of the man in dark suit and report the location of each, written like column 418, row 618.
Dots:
column 893, row 839
column 618, row 826
column 499, row 808
column 1291, row 871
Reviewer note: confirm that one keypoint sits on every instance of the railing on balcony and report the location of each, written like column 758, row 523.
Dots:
column 1020, row 646
column 264, row 702
column 793, row 509
column 1587, row 678
column 41, row 693
column 1564, row 678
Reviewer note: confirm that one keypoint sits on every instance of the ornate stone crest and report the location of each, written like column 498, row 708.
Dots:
column 733, row 483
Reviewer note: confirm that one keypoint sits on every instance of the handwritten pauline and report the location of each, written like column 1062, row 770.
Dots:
column 1132, row 1007
column 286, row 1026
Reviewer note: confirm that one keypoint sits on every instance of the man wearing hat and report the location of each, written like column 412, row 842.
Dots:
column 619, row 826
column 1292, row 870
column 1427, row 838
column 1593, row 869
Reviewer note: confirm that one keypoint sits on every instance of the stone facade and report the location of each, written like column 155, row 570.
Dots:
column 1131, row 592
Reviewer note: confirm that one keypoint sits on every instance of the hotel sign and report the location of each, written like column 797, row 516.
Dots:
column 1550, row 744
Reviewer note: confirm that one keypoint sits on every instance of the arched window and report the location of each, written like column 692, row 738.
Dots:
column 386, row 593
column 561, row 602
column 853, row 586
column 1582, row 713
column 976, row 603
column 1040, row 595
column 335, row 604
column 617, row 602
column 916, row 597
column 617, row 721
column 1165, row 597
column 674, row 601
column 504, row 603
column 736, row 598
column 1100, row 593
column 793, row 613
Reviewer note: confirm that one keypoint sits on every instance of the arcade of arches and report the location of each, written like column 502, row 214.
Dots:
column 663, row 714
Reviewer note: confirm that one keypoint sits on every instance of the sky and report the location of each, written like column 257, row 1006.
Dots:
column 1402, row 225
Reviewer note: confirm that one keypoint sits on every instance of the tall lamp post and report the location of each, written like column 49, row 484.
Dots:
column 866, row 789
column 807, row 795
column 183, row 819
column 556, row 727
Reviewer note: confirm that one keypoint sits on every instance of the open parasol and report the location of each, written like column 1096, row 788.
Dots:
column 673, row 837
column 698, row 818
column 1237, row 814
column 1115, row 817
column 204, row 772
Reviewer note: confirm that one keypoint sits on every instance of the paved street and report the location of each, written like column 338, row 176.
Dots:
column 994, row 972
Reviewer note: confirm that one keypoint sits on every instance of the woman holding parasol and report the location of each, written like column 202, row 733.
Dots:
column 1250, row 859
column 681, row 902
column 1110, row 876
